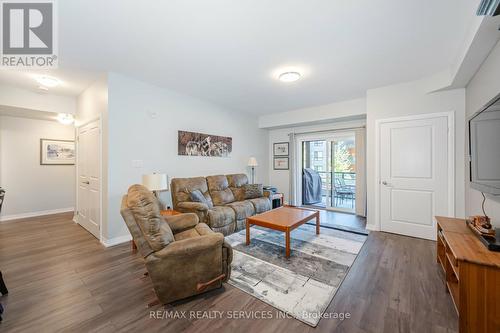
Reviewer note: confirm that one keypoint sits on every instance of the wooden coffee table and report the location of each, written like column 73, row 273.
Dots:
column 283, row 219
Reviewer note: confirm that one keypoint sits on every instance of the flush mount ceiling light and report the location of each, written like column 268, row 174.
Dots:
column 289, row 76
column 47, row 81
column 65, row 118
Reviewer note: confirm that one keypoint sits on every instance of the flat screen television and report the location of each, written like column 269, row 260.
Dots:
column 484, row 148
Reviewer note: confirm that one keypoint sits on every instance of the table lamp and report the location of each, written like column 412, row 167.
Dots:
column 252, row 162
column 155, row 182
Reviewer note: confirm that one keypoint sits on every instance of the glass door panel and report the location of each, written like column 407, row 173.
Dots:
column 316, row 157
column 344, row 173
column 333, row 160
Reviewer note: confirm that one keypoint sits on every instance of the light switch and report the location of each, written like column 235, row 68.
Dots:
column 137, row 164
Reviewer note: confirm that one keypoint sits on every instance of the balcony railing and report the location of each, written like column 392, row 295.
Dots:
column 339, row 188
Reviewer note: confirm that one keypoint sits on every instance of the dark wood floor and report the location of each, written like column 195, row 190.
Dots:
column 61, row 279
column 342, row 220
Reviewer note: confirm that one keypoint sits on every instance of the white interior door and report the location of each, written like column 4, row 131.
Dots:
column 89, row 180
column 414, row 175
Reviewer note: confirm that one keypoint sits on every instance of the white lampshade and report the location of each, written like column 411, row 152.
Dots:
column 155, row 181
column 252, row 162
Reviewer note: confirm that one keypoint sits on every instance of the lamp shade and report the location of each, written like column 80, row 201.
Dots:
column 252, row 162
column 155, row 181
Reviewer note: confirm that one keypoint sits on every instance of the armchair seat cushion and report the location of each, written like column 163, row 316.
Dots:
column 242, row 209
column 261, row 204
column 201, row 229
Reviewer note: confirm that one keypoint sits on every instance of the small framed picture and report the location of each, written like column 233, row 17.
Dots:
column 280, row 149
column 281, row 163
column 57, row 152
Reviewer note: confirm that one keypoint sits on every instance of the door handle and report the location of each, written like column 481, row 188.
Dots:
column 87, row 182
column 386, row 183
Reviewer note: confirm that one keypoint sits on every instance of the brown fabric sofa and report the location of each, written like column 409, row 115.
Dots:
column 183, row 257
column 227, row 208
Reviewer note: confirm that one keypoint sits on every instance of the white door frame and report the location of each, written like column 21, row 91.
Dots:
column 77, row 129
column 451, row 158
column 329, row 135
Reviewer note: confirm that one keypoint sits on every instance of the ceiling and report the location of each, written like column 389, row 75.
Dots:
column 229, row 52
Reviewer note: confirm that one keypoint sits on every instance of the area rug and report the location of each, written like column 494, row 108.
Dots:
column 303, row 285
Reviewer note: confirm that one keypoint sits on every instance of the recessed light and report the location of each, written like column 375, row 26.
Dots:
column 289, row 76
column 47, row 81
column 65, row 118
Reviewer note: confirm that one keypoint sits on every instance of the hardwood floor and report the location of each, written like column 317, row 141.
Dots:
column 342, row 220
column 60, row 278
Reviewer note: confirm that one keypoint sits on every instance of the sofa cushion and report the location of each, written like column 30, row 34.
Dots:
column 236, row 184
column 219, row 190
column 181, row 189
column 253, row 191
column 220, row 216
column 197, row 196
column 262, row 204
column 146, row 210
column 242, row 209
column 226, row 230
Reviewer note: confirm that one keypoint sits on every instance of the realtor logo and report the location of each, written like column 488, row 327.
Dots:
column 28, row 34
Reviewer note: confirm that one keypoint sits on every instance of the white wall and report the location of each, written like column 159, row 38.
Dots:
column 134, row 134
column 483, row 87
column 26, row 99
column 32, row 187
column 412, row 98
column 315, row 115
column 281, row 178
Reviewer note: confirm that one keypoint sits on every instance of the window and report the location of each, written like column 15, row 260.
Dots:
column 318, row 167
column 318, row 143
column 318, row 155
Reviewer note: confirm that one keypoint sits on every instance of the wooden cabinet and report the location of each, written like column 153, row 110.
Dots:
column 472, row 276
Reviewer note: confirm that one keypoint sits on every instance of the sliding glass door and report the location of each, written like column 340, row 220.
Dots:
column 329, row 172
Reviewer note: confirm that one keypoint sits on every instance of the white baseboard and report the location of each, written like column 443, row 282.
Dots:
column 372, row 227
column 35, row 214
column 116, row 240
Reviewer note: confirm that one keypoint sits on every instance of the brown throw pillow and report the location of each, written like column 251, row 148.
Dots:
column 253, row 191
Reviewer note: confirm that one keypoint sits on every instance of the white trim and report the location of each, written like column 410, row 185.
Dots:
column 77, row 140
column 35, row 214
column 450, row 115
column 327, row 135
column 372, row 227
column 89, row 121
column 116, row 240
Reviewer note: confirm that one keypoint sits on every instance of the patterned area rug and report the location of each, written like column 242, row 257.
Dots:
column 303, row 285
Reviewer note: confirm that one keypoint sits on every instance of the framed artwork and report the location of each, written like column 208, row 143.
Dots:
column 280, row 149
column 281, row 163
column 199, row 144
column 57, row 152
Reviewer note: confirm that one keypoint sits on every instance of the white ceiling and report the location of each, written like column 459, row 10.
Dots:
column 229, row 52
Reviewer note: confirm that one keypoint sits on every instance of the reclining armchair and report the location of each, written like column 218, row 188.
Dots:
column 183, row 257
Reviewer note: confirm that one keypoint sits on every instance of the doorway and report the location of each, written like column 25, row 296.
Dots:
column 332, row 161
column 88, row 213
column 416, row 173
